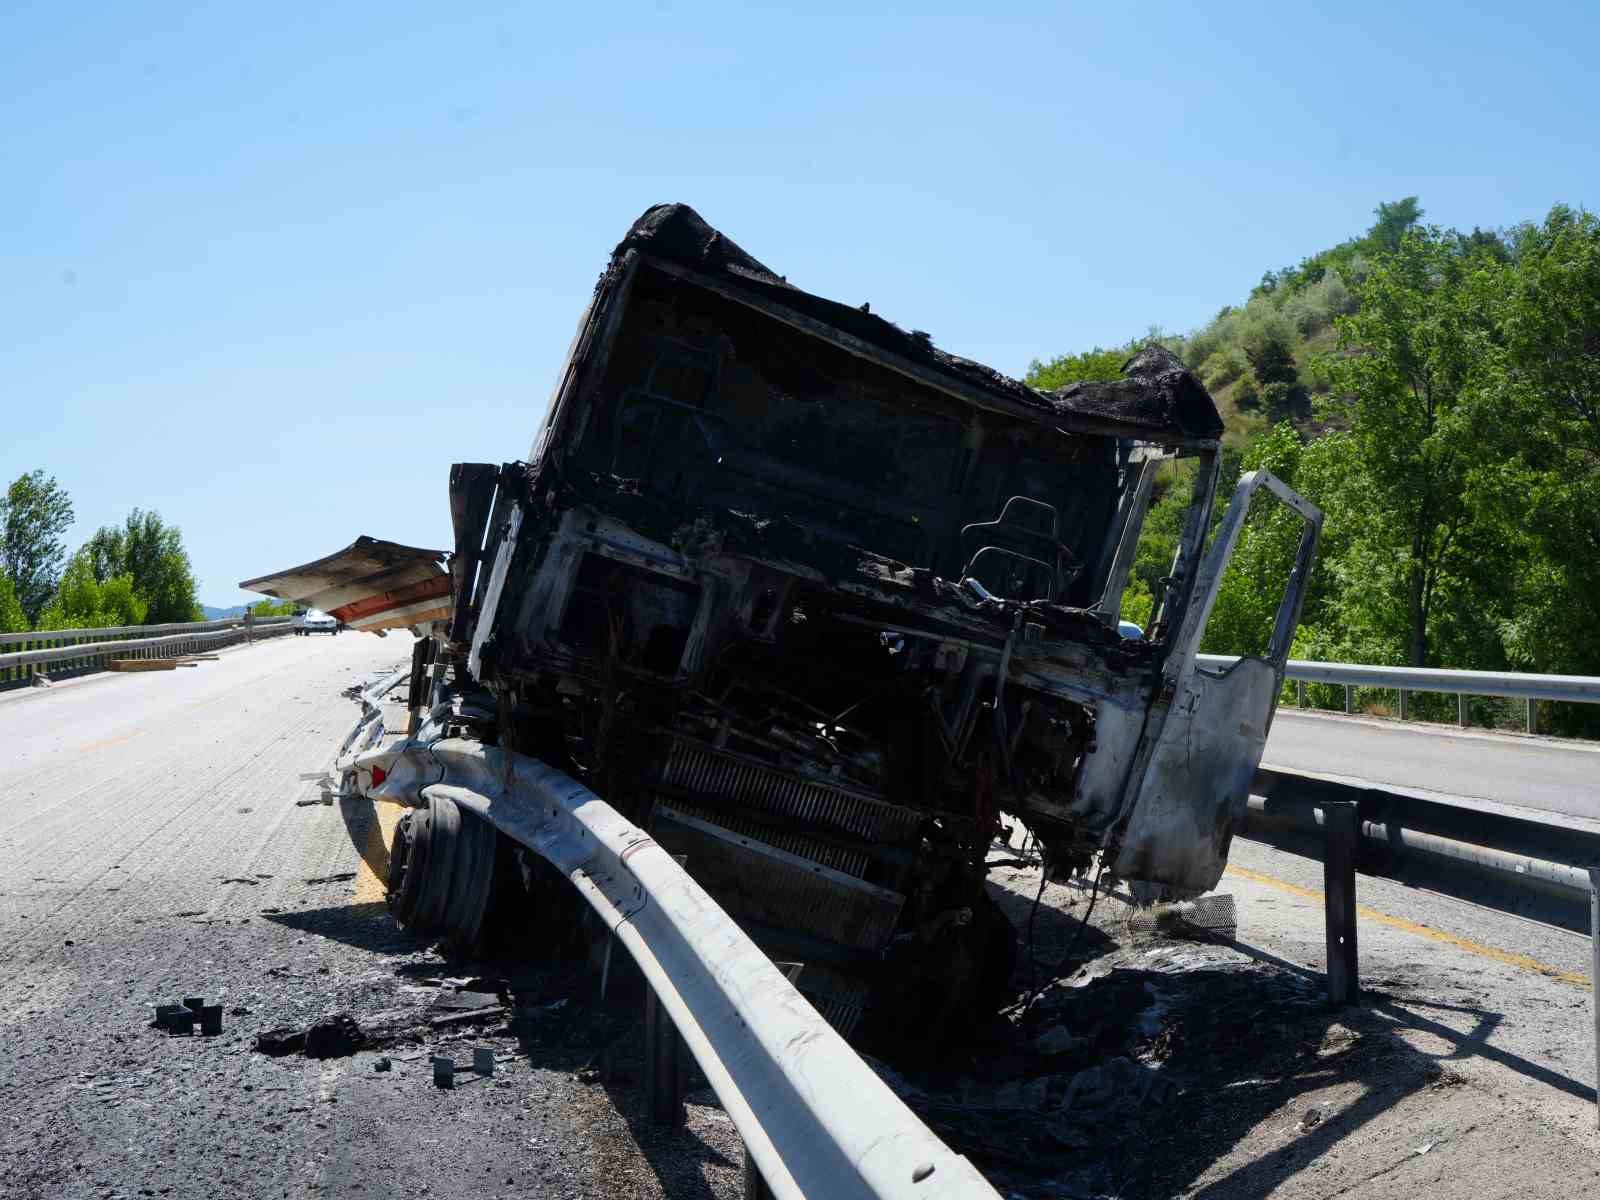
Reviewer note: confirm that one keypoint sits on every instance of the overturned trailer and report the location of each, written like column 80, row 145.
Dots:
column 815, row 602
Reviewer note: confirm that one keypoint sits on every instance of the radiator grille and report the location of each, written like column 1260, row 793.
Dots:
column 840, row 858
column 704, row 769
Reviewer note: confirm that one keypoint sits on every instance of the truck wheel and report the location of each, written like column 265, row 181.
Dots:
column 441, row 873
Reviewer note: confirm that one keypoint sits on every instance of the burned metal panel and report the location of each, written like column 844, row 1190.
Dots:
column 1155, row 397
column 762, row 885
column 1193, row 795
column 371, row 584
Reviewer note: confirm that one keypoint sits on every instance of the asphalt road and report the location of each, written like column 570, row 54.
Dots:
column 162, row 837
column 1539, row 773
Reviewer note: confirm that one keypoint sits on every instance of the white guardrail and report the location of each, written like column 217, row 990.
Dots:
column 88, row 649
column 816, row 1120
column 1578, row 689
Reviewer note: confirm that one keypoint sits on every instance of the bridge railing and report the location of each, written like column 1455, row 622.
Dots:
column 1513, row 685
column 26, row 656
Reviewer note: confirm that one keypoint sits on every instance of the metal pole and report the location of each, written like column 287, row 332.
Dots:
column 1594, row 972
column 1300, row 693
column 1533, row 714
column 1343, row 824
column 1349, row 698
column 1462, row 709
column 665, row 1068
column 755, row 1187
column 1404, row 697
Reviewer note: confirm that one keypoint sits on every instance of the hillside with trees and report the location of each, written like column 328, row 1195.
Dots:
column 137, row 573
column 1437, row 393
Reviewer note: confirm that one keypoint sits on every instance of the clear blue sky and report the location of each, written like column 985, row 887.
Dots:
column 271, row 269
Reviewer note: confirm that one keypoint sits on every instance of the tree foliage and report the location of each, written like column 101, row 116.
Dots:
column 12, row 619
column 34, row 513
column 152, row 554
column 84, row 601
column 1438, row 395
column 273, row 608
column 1077, row 368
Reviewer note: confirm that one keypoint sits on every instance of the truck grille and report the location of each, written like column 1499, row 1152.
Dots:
column 757, row 786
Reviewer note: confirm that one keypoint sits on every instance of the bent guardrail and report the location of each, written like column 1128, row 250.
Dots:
column 816, row 1120
column 1514, row 685
column 88, row 649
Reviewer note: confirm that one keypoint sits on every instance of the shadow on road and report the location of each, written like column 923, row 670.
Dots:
column 366, row 926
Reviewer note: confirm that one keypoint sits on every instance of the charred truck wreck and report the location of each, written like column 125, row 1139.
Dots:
column 815, row 603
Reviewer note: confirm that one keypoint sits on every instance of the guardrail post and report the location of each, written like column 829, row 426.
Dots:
column 1342, row 824
column 665, row 1064
column 1463, row 709
column 1349, row 698
column 1404, row 698
column 1533, row 713
column 1300, row 693
column 1594, row 973
column 755, row 1187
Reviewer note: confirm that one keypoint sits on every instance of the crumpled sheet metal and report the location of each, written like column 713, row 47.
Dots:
column 370, row 584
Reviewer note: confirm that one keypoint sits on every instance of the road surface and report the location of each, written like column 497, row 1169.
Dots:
column 1545, row 774
column 164, row 836
column 153, row 845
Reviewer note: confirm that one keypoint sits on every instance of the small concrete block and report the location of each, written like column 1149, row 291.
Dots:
column 444, row 1072
column 211, row 1019
column 483, row 1061
column 181, row 1024
column 194, row 1003
column 165, row 1013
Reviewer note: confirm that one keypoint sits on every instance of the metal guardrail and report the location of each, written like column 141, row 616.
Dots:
column 1522, row 852
column 88, row 649
column 816, row 1120
column 68, row 637
column 1579, row 689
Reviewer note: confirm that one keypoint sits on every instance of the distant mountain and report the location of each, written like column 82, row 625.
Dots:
column 219, row 614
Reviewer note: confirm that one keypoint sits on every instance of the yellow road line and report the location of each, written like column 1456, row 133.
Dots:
column 1426, row 931
column 372, row 875
column 115, row 741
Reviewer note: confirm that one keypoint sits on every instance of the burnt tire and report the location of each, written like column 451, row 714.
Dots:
column 441, row 873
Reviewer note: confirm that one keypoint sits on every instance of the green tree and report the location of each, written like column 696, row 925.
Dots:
column 273, row 608
column 82, row 601
column 1394, row 221
column 11, row 617
column 152, row 553
column 1076, row 368
column 34, row 513
column 1549, row 493
column 1424, row 418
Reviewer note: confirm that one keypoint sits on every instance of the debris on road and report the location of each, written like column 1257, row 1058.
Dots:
column 338, row 1036
column 444, row 1072
column 471, row 1016
column 280, row 1042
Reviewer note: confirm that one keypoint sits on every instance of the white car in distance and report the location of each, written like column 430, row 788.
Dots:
column 314, row 621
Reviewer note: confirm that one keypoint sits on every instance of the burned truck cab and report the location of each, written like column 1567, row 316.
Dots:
column 816, row 603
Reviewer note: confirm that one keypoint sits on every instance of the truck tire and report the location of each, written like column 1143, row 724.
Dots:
column 441, row 873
